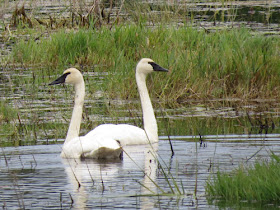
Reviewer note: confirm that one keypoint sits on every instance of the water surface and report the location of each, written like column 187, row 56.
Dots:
column 36, row 176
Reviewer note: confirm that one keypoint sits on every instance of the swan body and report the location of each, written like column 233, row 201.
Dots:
column 129, row 134
column 124, row 133
column 106, row 140
column 98, row 147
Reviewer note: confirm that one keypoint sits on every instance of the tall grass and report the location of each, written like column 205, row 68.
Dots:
column 260, row 183
column 221, row 64
column 8, row 116
column 7, row 113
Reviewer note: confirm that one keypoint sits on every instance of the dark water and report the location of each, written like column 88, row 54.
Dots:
column 35, row 176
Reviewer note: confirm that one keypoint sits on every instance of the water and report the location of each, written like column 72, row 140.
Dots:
column 36, row 176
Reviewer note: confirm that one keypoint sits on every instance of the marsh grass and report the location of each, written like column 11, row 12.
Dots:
column 222, row 64
column 8, row 123
column 22, row 116
column 43, row 113
column 257, row 183
column 203, row 65
column 7, row 113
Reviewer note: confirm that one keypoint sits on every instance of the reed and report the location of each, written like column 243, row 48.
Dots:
column 8, row 116
column 7, row 113
column 258, row 183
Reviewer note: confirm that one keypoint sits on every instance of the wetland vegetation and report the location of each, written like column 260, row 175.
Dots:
column 222, row 64
column 224, row 77
column 258, row 183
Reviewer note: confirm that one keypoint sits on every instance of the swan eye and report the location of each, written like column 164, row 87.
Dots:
column 157, row 67
column 60, row 80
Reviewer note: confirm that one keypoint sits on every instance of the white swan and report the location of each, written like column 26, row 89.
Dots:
column 103, row 141
column 129, row 134
column 95, row 146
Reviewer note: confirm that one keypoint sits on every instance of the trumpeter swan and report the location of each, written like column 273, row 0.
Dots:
column 96, row 146
column 129, row 134
column 102, row 142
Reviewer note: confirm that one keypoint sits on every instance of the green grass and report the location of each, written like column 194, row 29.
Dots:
column 8, row 121
column 222, row 64
column 260, row 183
column 7, row 113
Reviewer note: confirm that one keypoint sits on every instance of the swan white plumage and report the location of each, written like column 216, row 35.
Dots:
column 96, row 146
column 103, row 141
column 129, row 134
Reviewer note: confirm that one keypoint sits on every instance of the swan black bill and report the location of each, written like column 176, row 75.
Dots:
column 157, row 67
column 60, row 80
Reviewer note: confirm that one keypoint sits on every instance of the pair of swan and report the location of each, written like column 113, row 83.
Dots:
column 106, row 141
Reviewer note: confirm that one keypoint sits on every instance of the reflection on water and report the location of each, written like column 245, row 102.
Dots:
column 113, row 180
column 36, row 176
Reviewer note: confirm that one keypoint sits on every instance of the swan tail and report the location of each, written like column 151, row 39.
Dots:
column 104, row 153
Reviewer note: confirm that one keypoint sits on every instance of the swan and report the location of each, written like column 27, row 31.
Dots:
column 129, row 134
column 106, row 140
column 95, row 146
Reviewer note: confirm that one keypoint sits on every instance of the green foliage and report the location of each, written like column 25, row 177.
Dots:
column 260, row 183
column 226, row 63
column 7, row 113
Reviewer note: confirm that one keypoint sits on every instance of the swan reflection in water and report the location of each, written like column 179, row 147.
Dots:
column 93, row 182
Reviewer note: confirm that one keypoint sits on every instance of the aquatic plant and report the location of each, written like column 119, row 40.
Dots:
column 8, row 116
column 257, row 183
column 222, row 64
column 204, row 65
column 7, row 113
column 100, row 13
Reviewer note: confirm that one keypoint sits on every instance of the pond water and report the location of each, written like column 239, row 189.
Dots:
column 36, row 176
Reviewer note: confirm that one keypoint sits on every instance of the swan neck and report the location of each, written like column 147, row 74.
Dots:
column 74, row 127
column 150, row 123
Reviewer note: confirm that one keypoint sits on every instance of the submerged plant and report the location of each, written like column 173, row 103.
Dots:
column 260, row 183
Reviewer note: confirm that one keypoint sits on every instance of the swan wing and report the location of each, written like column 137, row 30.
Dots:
column 94, row 146
column 124, row 133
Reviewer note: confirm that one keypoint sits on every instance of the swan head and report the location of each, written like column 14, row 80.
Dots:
column 69, row 76
column 147, row 65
